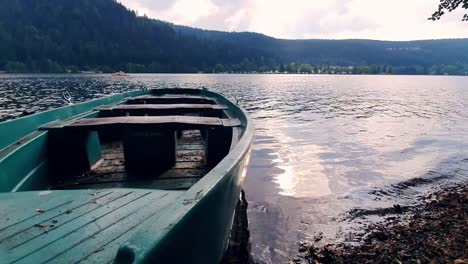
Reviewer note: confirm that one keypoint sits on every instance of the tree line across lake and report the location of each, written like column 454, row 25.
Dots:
column 56, row 36
column 294, row 68
column 53, row 67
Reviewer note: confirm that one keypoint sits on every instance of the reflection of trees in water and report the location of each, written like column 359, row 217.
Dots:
column 238, row 251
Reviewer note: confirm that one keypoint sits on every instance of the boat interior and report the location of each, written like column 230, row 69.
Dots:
column 164, row 142
column 88, row 183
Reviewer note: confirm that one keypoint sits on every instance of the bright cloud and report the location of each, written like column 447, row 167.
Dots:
column 335, row 19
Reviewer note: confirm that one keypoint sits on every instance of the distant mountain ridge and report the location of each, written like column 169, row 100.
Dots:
column 103, row 35
column 351, row 51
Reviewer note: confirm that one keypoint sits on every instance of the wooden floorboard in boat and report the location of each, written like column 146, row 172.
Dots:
column 189, row 168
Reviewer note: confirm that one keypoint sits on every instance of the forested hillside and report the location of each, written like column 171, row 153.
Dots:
column 103, row 35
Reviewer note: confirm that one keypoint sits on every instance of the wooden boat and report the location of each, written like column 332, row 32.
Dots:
column 140, row 177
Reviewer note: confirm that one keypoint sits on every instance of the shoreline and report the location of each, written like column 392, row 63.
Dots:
column 434, row 231
column 222, row 73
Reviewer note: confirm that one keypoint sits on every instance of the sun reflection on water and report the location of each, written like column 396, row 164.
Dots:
column 303, row 173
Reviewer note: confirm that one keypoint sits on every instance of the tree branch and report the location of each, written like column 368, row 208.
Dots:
column 449, row 5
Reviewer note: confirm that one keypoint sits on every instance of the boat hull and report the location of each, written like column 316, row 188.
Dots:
column 194, row 228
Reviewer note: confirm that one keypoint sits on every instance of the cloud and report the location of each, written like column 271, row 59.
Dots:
column 336, row 19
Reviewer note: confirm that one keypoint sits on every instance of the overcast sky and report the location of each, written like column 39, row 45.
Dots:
column 301, row 19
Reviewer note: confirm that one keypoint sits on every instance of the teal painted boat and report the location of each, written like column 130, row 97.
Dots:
column 140, row 177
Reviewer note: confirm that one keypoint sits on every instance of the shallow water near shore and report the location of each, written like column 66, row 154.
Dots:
column 327, row 148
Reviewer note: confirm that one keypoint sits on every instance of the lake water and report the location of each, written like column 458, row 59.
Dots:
column 325, row 146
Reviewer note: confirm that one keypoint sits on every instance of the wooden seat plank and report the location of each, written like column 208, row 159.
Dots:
column 163, row 107
column 61, row 123
column 181, row 122
column 141, row 120
column 171, row 99
column 171, row 96
column 231, row 122
column 159, row 184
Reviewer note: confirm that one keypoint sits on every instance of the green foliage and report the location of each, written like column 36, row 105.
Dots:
column 305, row 68
column 104, row 36
column 16, row 67
column 449, row 6
column 136, row 68
column 291, row 68
column 281, row 68
column 219, row 68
